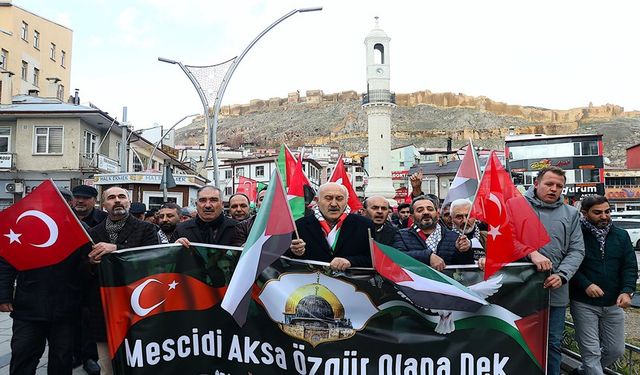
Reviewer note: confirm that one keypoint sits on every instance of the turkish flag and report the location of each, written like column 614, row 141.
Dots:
column 40, row 230
column 514, row 228
column 126, row 305
column 248, row 187
column 340, row 176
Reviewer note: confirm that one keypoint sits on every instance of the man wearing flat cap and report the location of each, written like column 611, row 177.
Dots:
column 84, row 202
column 138, row 210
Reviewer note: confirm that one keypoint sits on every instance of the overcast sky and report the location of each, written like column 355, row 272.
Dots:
column 546, row 53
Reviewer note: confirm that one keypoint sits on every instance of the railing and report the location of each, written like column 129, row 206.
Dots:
column 379, row 96
column 7, row 161
column 628, row 364
column 98, row 162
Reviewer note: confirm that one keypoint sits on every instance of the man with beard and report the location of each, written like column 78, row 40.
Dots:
column 244, row 227
column 210, row 225
column 332, row 234
column 562, row 255
column 119, row 231
column 168, row 219
column 377, row 209
column 602, row 287
column 84, row 201
column 239, row 207
column 467, row 227
column 427, row 240
column 445, row 215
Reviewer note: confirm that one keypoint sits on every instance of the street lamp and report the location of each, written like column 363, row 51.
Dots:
column 155, row 147
column 212, row 128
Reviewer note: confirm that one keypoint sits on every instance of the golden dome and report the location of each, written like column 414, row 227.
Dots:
column 318, row 290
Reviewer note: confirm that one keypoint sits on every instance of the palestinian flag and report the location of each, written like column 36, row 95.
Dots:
column 270, row 237
column 286, row 164
column 126, row 305
column 465, row 184
column 423, row 285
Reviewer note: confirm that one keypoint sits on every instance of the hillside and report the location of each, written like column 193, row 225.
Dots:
column 425, row 120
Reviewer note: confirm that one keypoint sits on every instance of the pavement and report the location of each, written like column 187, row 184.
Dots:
column 5, row 349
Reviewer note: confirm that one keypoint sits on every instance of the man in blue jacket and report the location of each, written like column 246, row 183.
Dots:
column 430, row 242
column 602, row 287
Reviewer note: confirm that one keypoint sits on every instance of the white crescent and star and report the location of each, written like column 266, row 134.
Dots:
column 137, row 292
column 494, row 231
column 493, row 198
column 46, row 219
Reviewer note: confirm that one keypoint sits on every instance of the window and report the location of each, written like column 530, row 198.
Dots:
column 52, row 52
column 63, row 56
column 5, row 136
column 260, row 171
column 36, row 76
column 90, row 142
column 24, row 31
column 4, row 58
column 227, row 174
column 137, row 163
column 358, row 178
column 48, row 140
column 24, row 70
column 228, row 190
column 240, row 171
column 118, row 145
column 36, row 39
column 60, row 94
column 430, row 186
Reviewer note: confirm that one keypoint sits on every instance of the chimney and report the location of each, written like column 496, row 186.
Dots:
column 52, row 87
column 449, row 144
column 76, row 98
column 6, row 87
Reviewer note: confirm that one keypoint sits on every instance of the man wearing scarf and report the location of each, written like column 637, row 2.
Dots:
column 332, row 234
column 209, row 226
column 120, row 230
column 467, row 227
column 428, row 241
column 602, row 287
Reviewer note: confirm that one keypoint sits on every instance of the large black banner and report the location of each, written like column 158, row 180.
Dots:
column 163, row 314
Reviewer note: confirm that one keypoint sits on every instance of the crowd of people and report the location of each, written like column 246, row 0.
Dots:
column 591, row 263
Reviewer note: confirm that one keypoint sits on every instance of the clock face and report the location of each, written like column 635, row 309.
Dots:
column 379, row 71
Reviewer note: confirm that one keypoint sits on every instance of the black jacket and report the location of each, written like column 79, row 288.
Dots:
column 135, row 233
column 385, row 235
column 353, row 241
column 408, row 241
column 95, row 217
column 47, row 294
column 191, row 231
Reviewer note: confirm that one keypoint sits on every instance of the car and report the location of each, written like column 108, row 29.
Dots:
column 632, row 226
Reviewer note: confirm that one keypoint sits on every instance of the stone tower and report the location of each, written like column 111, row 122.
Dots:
column 378, row 102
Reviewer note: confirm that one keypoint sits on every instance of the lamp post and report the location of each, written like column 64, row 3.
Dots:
column 212, row 126
column 155, row 147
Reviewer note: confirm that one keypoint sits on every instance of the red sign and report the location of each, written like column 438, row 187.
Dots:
column 623, row 193
column 399, row 175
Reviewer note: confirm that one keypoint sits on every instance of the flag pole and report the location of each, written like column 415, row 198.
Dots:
column 370, row 245
column 475, row 162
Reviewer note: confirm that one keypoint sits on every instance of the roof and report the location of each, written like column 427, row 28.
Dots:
column 526, row 137
column 436, row 169
column 634, row 146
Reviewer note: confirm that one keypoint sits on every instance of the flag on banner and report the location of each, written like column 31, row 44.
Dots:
column 514, row 228
column 340, row 176
column 126, row 305
column 270, row 237
column 40, row 230
column 286, row 164
column 248, row 187
column 465, row 184
column 423, row 285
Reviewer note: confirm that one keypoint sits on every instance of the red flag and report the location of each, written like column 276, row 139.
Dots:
column 295, row 193
column 126, row 305
column 40, row 230
column 340, row 176
column 248, row 187
column 514, row 228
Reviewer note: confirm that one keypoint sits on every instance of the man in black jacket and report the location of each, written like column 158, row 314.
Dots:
column 429, row 242
column 332, row 234
column 377, row 209
column 119, row 231
column 84, row 202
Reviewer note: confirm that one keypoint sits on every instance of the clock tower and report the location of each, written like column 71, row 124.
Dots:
column 378, row 102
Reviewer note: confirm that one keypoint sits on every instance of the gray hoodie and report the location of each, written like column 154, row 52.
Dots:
column 566, row 249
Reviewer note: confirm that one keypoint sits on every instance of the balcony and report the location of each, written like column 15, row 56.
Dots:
column 7, row 161
column 99, row 163
column 378, row 96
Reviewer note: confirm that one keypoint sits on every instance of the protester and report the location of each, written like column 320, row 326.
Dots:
column 244, row 227
column 187, row 213
column 84, row 202
column 119, row 231
column 138, row 210
column 603, row 286
column 168, row 219
column 562, row 256
column 150, row 216
column 210, row 226
column 401, row 218
column 332, row 234
column 239, row 207
column 445, row 215
column 466, row 225
column 377, row 209
column 45, row 306
column 428, row 241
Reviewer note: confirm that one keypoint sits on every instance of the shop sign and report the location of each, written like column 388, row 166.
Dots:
column 623, row 193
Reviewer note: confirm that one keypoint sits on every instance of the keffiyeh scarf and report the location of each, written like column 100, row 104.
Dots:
column 331, row 234
column 600, row 234
column 114, row 228
column 434, row 238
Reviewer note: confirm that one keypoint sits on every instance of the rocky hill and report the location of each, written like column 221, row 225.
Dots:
column 425, row 119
